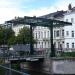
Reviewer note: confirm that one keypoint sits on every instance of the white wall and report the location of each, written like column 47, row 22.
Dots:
column 17, row 28
column 43, row 33
column 69, row 39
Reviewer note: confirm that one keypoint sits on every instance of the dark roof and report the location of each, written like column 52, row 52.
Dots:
column 55, row 14
column 73, row 9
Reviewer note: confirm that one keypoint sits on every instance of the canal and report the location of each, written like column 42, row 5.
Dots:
column 28, row 68
column 31, row 68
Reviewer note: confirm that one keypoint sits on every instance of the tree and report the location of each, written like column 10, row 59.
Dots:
column 1, row 35
column 24, row 36
column 11, row 40
column 7, row 36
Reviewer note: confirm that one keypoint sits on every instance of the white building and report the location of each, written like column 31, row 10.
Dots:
column 69, row 31
column 63, row 36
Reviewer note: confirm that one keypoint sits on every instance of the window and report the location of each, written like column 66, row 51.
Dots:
column 48, row 44
column 42, row 44
column 45, row 44
column 54, row 33
column 57, row 33
column 67, row 45
column 58, row 45
column 38, row 42
column 72, row 20
column 72, row 33
column 39, row 34
column 45, row 34
column 48, row 34
column 72, row 45
column 66, row 20
column 67, row 33
column 36, row 45
column 63, row 42
column 62, row 32
column 54, row 44
column 36, row 35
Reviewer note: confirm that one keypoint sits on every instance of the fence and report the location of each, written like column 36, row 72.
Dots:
column 4, row 70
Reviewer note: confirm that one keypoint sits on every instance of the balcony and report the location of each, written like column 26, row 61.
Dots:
column 46, row 39
column 60, row 37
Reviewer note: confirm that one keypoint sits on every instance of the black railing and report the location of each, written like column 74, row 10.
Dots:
column 4, row 70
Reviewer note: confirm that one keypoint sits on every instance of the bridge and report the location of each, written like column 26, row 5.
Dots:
column 37, row 21
column 27, row 58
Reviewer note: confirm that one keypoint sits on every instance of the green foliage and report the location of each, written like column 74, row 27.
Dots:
column 15, row 66
column 2, row 71
column 24, row 36
column 10, row 36
column 11, row 40
column 6, row 35
column 1, row 35
column 68, row 54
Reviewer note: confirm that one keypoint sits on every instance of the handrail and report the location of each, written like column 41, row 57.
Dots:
column 14, row 70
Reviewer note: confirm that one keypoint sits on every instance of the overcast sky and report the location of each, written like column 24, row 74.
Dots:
column 11, row 8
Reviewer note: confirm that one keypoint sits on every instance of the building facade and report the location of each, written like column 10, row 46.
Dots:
column 69, row 34
column 63, row 37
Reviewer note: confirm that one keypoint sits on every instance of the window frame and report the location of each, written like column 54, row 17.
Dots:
column 73, row 45
column 67, row 45
column 57, row 33
column 72, row 33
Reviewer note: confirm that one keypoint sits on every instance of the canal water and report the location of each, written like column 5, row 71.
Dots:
column 27, row 68
column 30, row 68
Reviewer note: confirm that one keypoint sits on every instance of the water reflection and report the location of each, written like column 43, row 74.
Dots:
column 28, row 68
column 32, row 68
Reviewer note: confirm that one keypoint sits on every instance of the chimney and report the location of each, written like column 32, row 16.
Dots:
column 69, row 7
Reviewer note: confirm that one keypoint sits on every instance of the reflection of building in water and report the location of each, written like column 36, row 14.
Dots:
column 64, row 37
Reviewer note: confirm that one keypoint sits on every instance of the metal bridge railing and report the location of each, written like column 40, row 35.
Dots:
column 43, row 53
column 8, row 71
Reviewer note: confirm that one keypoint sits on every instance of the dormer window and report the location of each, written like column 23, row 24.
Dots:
column 72, row 20
column 66, row 20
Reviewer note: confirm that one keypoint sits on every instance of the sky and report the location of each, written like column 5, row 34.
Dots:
column 11, row 8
